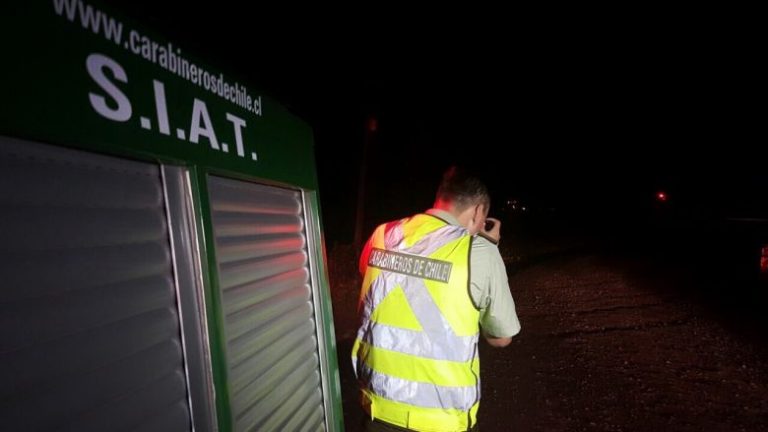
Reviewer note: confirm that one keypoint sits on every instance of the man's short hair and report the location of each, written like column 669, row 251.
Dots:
column 462, row 189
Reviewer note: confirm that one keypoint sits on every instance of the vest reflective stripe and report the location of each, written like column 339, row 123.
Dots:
column 405, row 366
column 419, row 344
column 432, row 372
column 395, row 240
column 420, row 394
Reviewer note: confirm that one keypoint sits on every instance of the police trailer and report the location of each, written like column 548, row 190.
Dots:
column 161, row 248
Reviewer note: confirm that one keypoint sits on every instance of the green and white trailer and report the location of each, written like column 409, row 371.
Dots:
column 161, row 250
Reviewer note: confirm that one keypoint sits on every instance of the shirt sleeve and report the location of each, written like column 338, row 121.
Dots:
column 489, row 289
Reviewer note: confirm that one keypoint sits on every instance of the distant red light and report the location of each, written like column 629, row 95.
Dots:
column 661, row 196
column 373, row 124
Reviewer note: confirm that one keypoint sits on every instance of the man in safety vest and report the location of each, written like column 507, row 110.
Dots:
column 430, row 283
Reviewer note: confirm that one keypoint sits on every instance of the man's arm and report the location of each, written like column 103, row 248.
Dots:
column 489, row 288
column 498, row 342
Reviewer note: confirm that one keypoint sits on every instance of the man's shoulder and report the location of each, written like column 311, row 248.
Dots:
column 483, row 250
column 480, row 243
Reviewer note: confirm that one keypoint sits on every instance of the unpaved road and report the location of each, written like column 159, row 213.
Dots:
column 608, row 344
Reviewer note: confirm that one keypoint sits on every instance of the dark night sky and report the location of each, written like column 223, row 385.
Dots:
column 597, row 116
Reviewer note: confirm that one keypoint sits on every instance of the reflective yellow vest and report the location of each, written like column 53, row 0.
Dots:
column 415, row 355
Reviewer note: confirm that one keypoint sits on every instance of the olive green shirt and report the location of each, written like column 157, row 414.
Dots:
column 488, row 285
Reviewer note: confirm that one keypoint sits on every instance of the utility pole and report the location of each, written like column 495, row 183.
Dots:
column 371, row 125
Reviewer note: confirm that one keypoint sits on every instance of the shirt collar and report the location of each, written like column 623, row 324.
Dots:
column 444, row 215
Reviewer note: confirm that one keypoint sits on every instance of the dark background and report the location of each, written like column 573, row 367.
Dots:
column 580, row 115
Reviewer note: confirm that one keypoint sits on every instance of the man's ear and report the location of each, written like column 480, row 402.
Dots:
column 479, row 211
column 471, row 211
column 476, row 214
